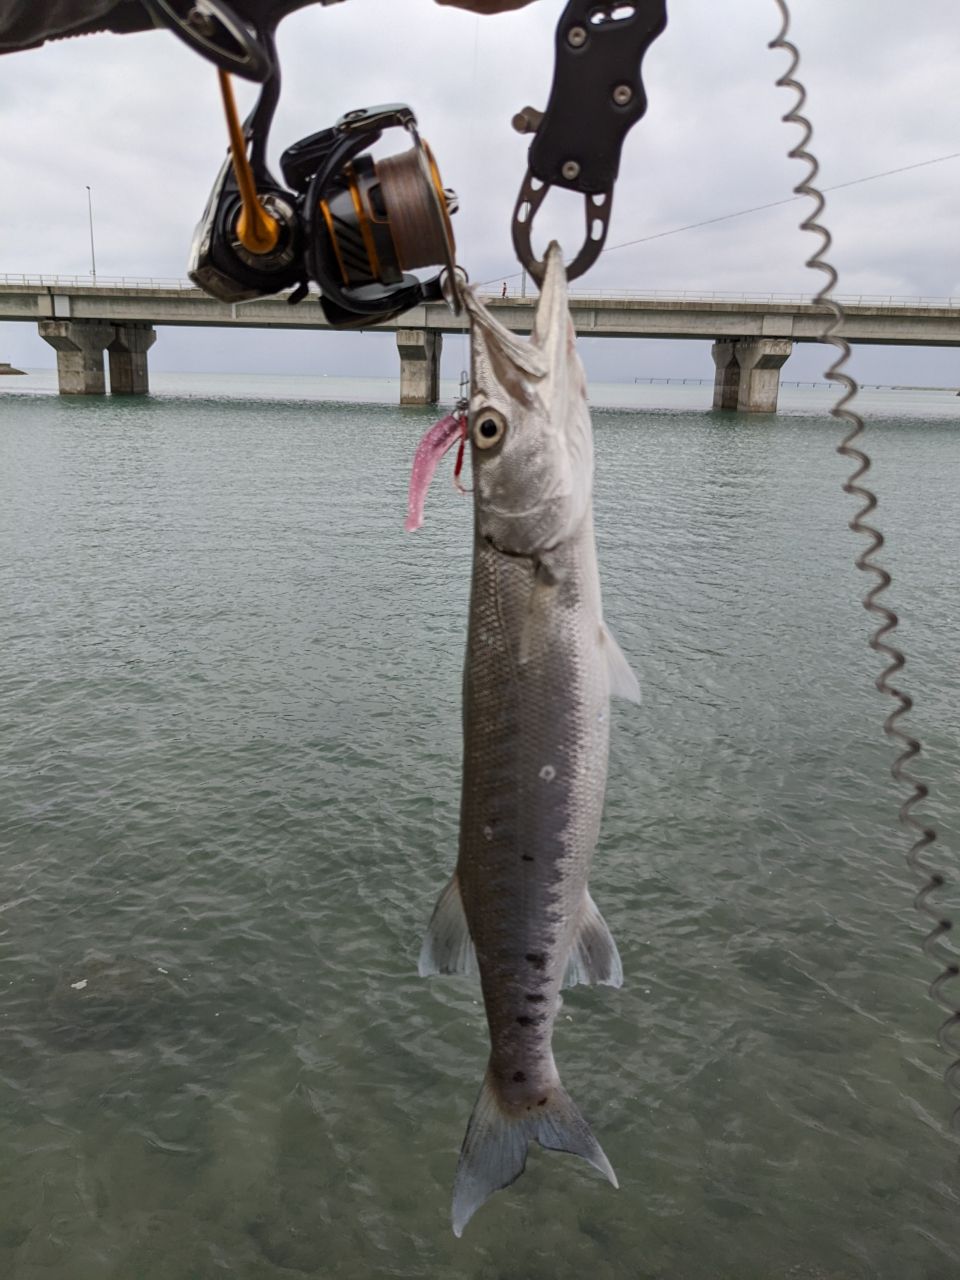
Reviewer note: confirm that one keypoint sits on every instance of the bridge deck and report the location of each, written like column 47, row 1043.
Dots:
column 926, row 322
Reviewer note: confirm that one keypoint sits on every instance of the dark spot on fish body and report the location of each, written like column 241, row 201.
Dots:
column 535, row 997
column 537, row 959
column 525, row 857
column 541, row 1102
column 519, row 1077
column 525, row 1020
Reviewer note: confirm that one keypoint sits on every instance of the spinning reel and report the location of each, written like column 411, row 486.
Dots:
column 355, row 226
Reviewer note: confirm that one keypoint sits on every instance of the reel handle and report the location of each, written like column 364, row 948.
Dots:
column 257, row 230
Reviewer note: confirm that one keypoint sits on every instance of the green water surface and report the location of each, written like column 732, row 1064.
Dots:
column 229, row 705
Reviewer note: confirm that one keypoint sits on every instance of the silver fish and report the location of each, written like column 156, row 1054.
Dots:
column 540, row 668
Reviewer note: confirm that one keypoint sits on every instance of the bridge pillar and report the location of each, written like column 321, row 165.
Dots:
column 79, row 346
column 748, row 373
column 726, row 383
column 419, row 365
column 760, row 361
column 128, row 359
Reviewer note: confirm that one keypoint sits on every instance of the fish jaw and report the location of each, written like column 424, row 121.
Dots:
column 533, row 486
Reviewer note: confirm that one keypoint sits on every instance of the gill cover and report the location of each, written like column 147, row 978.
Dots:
column 529, row 424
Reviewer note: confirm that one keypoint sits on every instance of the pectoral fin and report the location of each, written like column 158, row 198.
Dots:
column 623, row 683
column 448, row 947
column 593, row 956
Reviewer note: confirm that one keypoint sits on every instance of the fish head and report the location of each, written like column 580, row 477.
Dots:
column 529, row 424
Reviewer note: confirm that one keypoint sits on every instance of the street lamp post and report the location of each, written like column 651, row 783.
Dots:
column 93, row 256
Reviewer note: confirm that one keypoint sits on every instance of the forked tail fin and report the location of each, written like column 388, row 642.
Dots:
column 494, row 1149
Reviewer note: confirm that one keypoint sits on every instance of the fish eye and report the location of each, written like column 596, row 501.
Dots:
column 489, row 428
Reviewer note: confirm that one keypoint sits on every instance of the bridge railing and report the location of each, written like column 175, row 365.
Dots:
column 101, row 282
column 140, row 283
column 708, row 295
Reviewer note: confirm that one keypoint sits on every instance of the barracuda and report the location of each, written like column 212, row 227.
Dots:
column 540, row 669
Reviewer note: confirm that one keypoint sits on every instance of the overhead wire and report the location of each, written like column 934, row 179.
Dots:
column 465, row 335
column 881, row 640
column 755, row 208
column 772, row 204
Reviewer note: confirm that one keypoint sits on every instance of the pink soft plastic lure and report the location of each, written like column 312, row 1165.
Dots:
column 442, row 436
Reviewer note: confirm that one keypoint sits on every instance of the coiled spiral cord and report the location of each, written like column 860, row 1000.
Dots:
column 881, row 640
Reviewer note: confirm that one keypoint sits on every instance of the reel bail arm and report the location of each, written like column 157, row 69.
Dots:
column 596, row 97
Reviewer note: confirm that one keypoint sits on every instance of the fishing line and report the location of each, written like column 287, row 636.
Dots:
column 756, row 208
column 881, row 641
column 773, row 204
column 465, row 336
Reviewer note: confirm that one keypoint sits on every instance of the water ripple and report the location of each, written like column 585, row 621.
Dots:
column 229, row 798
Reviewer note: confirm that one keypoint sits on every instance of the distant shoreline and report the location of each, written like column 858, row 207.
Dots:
column 654, row 380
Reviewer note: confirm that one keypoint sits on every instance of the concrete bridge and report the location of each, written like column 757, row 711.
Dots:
column 752, row 334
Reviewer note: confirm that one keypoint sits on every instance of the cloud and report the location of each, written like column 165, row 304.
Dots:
column 138, row 119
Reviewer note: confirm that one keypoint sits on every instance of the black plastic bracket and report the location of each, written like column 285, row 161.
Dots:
column 215, row 30
column 596, row 97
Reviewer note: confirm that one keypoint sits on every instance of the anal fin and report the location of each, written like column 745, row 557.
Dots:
column 593, row 954
column 447, row 946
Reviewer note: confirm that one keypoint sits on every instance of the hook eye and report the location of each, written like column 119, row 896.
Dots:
column 213, row 29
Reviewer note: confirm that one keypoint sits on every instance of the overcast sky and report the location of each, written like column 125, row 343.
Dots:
column 138, row 119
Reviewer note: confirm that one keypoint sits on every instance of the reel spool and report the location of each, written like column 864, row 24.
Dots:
column 389, row 217
column 369, row 223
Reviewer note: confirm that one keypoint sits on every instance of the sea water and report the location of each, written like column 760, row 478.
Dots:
column 230, row 701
